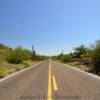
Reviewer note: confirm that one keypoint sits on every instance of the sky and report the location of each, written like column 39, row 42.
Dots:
column 50, row 25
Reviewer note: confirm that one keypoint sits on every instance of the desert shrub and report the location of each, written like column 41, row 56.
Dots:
column 66, row 58
column 3, row 70
column 95, row 55
column 78, row 51
column 18, row 55
column 26, row 63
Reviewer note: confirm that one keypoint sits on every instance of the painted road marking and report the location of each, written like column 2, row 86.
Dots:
column 49, row 96
column 54, row 83
column 79, row 70
column 21, row 71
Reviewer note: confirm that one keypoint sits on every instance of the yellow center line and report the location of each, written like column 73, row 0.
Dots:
column 49, row 96
column 54, row 83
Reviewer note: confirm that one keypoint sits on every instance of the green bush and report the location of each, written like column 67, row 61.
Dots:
column 26, row 63
column 66, row 58
column 95, row 55
column 78, row 51
column 18, row 55
column 3, row 70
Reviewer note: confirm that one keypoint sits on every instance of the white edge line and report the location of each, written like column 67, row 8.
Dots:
column 16, row 73
column 89, row 74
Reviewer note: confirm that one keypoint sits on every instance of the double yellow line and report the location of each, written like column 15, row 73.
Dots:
column 50, row 78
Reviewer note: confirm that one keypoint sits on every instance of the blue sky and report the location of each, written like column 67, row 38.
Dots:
column 51, row 25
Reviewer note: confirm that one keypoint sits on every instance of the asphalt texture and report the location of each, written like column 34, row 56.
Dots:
column 66, row 84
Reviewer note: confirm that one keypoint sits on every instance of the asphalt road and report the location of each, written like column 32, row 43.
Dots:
column 50, row 80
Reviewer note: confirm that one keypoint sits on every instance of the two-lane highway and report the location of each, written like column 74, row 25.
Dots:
column 50, row 80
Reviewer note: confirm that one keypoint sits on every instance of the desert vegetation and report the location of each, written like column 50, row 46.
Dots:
column 15, row 59
column 85, row 58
